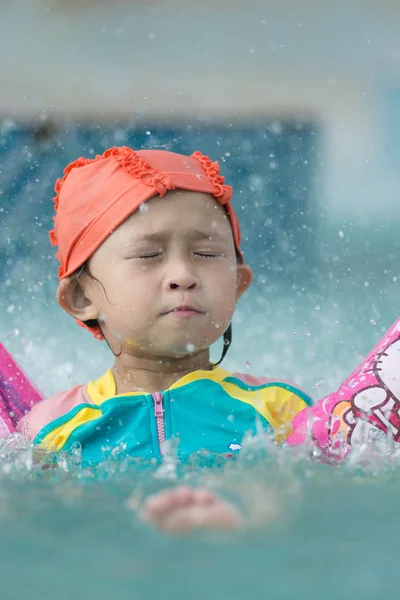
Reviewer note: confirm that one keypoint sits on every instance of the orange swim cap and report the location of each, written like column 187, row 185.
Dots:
column 96, row 195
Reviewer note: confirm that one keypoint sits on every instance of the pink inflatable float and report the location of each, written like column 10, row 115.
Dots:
column 17, row 394
column 367, row 402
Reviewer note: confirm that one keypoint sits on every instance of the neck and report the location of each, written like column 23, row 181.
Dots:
column 153, row 374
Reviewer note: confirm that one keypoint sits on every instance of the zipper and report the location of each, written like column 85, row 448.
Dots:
column 159, row 414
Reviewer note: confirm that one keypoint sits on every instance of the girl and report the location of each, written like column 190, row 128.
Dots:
column 150, row 261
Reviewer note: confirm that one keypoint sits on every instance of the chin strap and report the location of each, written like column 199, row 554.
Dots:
column 227, row 343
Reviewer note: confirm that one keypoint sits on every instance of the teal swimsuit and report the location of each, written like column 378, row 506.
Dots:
column 210, row 410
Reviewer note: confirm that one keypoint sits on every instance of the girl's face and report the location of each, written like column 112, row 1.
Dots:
column 166, row 282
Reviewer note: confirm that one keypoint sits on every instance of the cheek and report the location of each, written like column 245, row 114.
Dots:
column 125, row 294
column 135, row 297
column 223, row 286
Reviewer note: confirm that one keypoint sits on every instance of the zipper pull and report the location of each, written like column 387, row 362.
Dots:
column 158, row 408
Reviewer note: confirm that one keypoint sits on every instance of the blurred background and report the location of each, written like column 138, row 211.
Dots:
column 299, row 100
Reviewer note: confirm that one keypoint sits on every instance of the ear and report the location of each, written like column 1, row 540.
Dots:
column 72, row 298
column 244, row 279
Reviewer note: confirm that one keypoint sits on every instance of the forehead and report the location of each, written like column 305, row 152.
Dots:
column 178, row 210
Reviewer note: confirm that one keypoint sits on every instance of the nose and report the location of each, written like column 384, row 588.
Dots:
column 182, row 277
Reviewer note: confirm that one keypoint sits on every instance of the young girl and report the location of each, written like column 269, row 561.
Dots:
column 150, row 261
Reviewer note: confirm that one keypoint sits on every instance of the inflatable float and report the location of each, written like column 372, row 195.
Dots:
column 366, row 403
column 17, row 393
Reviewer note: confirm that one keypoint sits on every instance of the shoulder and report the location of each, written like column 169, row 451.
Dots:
column 252, row 382
column 52, row 408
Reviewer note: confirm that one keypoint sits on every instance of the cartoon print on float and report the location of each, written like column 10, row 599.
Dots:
column 374, row 407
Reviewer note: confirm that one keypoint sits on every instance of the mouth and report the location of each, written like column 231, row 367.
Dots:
column 184, row 311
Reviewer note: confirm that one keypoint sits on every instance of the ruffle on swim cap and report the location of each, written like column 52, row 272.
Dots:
column 96, row 195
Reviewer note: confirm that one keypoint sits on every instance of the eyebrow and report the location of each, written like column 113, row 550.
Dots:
column 193, row 235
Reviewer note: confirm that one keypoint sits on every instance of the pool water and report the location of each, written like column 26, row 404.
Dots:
column 319, row 303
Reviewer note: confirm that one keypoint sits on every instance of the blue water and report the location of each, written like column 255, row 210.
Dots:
column 324, row 294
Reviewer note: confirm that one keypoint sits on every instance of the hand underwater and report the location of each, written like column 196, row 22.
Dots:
column 184, row 510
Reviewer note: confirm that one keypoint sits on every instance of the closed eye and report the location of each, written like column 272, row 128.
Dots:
column 155, row 255
column 149, row 256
